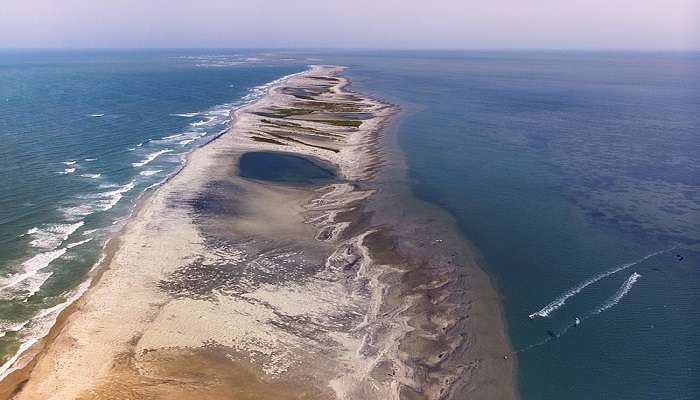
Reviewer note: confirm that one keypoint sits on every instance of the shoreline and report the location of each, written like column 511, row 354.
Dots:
column 357, row 290
column 27, row 356
column 397, row 170
column 14, row 378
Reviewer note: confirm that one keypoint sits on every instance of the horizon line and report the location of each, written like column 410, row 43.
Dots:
column 473, row 49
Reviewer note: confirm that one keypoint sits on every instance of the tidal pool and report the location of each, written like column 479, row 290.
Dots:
column 285, row 168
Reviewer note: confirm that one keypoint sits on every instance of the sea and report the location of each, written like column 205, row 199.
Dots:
column 575, row 175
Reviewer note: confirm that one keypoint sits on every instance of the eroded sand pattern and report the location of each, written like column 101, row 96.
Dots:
column 229, row 288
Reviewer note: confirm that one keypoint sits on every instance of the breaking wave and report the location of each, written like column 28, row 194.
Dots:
column 150, row 172
column 51, row 236
column 150, row 158
column 71, row 245
column 95, row 202
column 31, row 267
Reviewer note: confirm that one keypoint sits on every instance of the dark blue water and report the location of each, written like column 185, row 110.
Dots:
column 83, row 134
column 284, row 168
column 560, row 167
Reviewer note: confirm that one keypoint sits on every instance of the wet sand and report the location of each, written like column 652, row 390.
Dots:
column 225, row 287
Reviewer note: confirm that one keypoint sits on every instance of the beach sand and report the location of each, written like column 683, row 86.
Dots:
column 225, row 287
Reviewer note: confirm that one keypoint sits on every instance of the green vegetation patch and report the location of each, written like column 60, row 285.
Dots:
column 342, row 122
column 288, row 112
column 282, row 112
column 325, row 78
column 267, row 140
column 331, row 106
column 287, row 124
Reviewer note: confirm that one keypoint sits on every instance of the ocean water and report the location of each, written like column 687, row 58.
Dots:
column 83, row 134
column 577, row 177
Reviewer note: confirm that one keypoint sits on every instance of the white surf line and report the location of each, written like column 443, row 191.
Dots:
column 171, row 136
column 71, row 245
column 609, row 303
column 557, row 303
column 31, row 267
column 150, row 158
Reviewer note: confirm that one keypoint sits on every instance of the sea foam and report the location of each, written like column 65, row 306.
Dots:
column 150, row 172
column 202, row 123
column 111, row 198
column 101, row 201
column 150, row 158
column 51, row 236
column 31, row 267
column 37, row 328
column 71, row 245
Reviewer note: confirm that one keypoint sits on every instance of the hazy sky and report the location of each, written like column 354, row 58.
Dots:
column 441, row 24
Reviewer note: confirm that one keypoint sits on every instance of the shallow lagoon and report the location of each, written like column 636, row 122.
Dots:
column 285, row 168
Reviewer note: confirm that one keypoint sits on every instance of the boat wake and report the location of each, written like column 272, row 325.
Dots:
column 609, row 303
column 557, row 303
column 621, row 292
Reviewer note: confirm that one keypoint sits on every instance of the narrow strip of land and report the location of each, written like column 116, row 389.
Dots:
column 227, row 287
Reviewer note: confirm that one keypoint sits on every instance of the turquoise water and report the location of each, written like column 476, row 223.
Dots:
column 284, row 168
column 566, row 170
column 83, row 134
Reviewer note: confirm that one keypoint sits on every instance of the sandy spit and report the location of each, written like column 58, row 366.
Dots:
column 222, row 287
